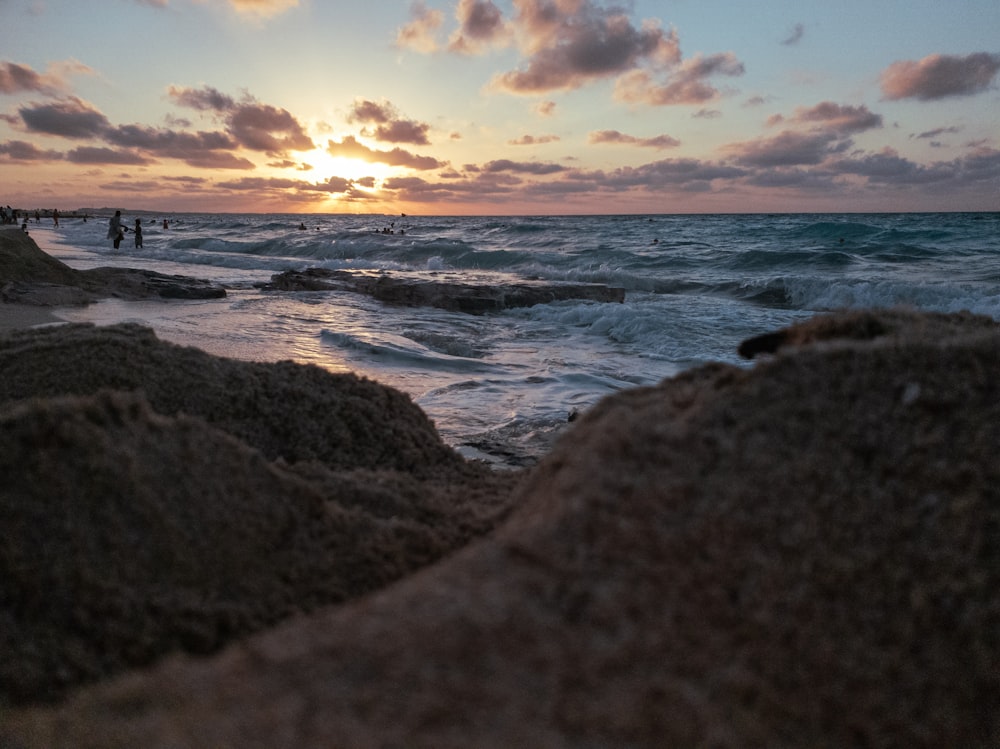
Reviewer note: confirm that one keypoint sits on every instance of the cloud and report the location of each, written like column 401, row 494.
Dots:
column 419, row 34
column 838, row 117
column 789, row 148
column 69, row 118
column 261, row 127
column 19, row 150
column 795, row 35
column 100, row 155
column 533, row 140
column 522, row 167
column 15, row 78
column 168, row 142
column 886, row 167
column 203, row 99
column 201, row 149
column 940, row 76
column 572, row 43
column 545, row 108
column 685, row 84
column 262, row 9
column 614, row 136
column 389, row 126
column 218, row 160
column 253, row 125
column 481, row 24
column 349, row 147
column 938, row 131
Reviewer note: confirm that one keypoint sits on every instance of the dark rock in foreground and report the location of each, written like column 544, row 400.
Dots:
column 462, row 293
column 805, row 553
column 30, row 276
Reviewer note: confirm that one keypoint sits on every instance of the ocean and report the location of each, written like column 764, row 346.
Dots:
column 501, row 386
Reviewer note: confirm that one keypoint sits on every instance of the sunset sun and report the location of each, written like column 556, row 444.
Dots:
column 325, row 166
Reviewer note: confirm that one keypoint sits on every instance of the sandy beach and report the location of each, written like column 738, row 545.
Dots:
column 202, row 552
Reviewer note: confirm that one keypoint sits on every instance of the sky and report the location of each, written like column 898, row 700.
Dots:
column 500, row 107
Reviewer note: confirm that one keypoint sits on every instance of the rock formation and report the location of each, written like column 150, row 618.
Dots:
column 30, row 276
column 467, row 293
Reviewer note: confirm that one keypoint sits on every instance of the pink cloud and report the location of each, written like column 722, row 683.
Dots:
column 100, row 155
column 687, row 83
column 15, row 78
column 419, row 33
column 570, row 44
column 533, row 140
column 69, row 118
column 614, row 136
column 203, row 99
column 19, row 150
column 940, row 76
column 481, row 24
column 789, row 148
column 839, row 117
column 522, row 167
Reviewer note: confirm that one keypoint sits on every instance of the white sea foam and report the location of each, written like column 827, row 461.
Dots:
column 695, row 287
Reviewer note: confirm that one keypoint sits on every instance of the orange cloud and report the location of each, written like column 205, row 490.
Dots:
column 262, row 9
column 349, row 147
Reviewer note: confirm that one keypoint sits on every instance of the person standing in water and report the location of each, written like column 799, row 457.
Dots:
column 138, row 233
column 115, row 229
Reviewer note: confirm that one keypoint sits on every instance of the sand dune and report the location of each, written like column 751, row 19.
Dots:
column 803, row 553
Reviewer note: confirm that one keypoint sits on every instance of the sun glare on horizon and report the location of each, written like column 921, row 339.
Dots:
column 324, row 167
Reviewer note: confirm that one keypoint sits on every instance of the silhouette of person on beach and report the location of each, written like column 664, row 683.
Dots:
column 115, row 229
column 138, row 233
column 165, row 226
column 55, row 216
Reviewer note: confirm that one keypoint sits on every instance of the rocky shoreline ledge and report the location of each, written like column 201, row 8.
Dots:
column 31, row 277
column 448, row 291
column 198, row 552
